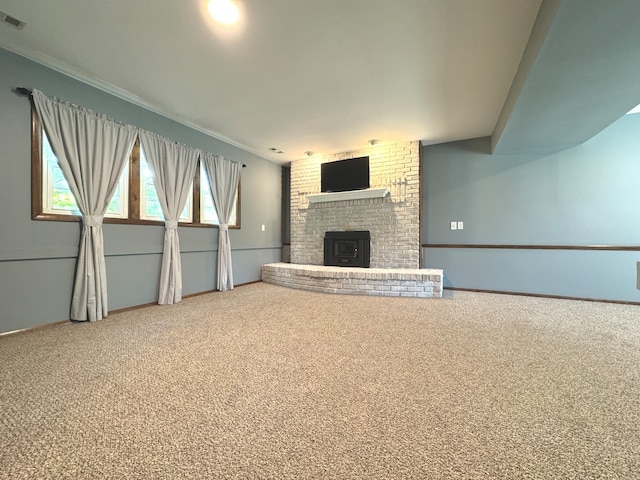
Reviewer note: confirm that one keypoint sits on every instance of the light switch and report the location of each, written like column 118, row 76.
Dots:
column 460, row 225
column 263, row 228
column 454, row 225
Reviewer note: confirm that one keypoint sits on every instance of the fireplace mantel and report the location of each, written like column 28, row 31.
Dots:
column 350, row 195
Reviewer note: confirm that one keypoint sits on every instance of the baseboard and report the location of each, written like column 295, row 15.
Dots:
column 543, row 295
column 117, row 310
column 205, row 292
column 33, row 329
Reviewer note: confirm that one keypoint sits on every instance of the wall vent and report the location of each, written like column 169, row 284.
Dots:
column 13, row 21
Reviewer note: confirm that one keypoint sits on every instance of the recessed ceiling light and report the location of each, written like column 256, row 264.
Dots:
column 224, row 11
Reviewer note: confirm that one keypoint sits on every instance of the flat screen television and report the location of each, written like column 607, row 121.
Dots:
column 345, row 175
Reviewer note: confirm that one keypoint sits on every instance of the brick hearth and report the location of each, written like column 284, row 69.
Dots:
column 387, row 282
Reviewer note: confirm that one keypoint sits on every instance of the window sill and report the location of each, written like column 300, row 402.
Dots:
column 123, row 221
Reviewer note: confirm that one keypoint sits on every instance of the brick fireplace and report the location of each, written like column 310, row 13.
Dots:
column 393, row 219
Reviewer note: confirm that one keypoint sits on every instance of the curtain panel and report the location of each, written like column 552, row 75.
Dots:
column 92, row 151
column 174, row 167
column 223, row 176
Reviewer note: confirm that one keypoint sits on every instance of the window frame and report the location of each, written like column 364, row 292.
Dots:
column 37, row 178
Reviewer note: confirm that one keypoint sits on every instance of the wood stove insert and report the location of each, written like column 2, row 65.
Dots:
column 347, row 249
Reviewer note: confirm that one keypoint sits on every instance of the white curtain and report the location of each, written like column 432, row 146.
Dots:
column 92, row 151
column 223, row 176
column 173, row 166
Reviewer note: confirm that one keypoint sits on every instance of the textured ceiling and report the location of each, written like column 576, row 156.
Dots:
column 298, row 75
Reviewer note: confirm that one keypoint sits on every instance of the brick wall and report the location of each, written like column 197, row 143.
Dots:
column 393, row 221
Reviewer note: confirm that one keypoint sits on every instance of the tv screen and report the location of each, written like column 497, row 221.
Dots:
column 345, row 175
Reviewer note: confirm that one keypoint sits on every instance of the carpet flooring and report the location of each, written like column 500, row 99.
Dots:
column 264, row 382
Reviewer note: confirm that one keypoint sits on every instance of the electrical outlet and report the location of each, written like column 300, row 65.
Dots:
column 454, row 225
column 460, row 225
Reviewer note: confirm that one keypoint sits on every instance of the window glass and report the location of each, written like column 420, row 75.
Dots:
column 208, row 213
column 150, row 208
column 57, row 196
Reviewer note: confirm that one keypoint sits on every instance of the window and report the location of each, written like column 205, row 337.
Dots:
column 135, row 200
column 150, row 208
column 208, row 212
column 56, row 194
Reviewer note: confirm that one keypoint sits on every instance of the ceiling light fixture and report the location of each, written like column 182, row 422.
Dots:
column 224, row 11
column 373, row 142
column 309, row 153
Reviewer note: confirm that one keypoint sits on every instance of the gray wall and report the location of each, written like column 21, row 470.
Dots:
column 37, row 258
column 586, row 195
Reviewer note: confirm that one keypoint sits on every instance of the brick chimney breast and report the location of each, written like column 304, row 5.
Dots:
column 392, row 220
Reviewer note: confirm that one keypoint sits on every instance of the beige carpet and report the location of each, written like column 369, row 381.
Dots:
column 268, row 383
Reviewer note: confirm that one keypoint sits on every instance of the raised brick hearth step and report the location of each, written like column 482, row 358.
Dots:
column 389, row 282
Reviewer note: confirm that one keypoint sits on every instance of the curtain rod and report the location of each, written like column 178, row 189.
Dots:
column 27, row 92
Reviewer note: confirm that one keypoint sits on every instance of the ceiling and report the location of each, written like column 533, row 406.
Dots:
column 579, row 74
column 327, row 76
column 295, row 75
